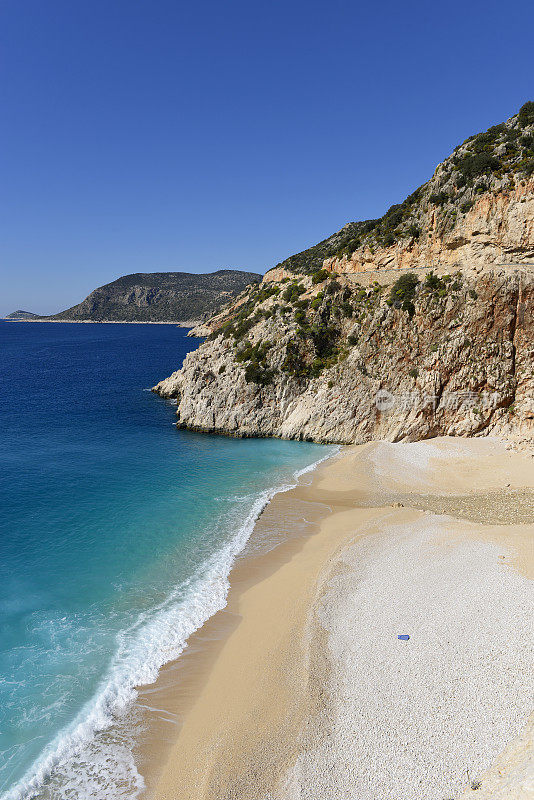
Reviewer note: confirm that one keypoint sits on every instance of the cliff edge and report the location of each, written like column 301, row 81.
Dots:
column 415, row 325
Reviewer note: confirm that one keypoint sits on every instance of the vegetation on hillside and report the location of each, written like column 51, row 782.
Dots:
column 161, row 296
column 496, row 158
column 324, row 321
column 318, row 342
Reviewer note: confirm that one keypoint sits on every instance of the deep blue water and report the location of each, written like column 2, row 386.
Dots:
column 118, row 532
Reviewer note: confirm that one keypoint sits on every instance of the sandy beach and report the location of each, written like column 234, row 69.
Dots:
column 301, row 687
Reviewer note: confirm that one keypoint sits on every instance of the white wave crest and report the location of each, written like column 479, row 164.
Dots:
column 157, row 637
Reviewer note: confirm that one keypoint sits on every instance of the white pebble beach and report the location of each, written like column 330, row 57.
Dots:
column 311, row 695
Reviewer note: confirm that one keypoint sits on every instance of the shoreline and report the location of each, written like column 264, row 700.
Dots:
column 234, row 710
column 166, row 702
column 178, row 323
column 90, row 734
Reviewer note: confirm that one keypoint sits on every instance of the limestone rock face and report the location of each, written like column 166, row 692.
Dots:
column 460, row 364
column 477, row 209
column 340, row 343
column 498, row 229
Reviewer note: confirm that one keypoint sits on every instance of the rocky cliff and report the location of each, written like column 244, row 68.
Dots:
column 457, row 361
column 415, row 325
column 478, row 208
column 161, row 297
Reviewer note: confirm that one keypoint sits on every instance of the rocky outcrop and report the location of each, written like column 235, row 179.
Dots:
column 497, row 229
column 476, row 209
column 367, row 335
column 458, row 361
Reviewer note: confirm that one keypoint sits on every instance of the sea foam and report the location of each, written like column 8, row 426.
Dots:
column 87, row 759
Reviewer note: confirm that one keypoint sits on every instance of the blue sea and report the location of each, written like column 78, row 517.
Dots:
column 118, row 535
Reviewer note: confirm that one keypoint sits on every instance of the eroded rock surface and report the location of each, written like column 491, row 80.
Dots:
column 462, row 364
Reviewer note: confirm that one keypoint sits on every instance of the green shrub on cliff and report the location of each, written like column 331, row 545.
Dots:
column 432, row 281
column 319, row 276
column 317, row 366
column 315, row 304
column 438, row 198
column 526, row 114
column 302, row 304
column 324, row 338
column 333, row 287
column 437, row 286
column 291, row 294
column 270, row 290
column 257, row 369
column 257, row 373
column 404, row 288
column 294, row 362
column 474, row 164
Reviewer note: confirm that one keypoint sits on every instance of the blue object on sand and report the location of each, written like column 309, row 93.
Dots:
column 403, row 636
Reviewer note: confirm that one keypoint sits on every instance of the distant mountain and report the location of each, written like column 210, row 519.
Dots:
column 160, row 297
column 22, row 315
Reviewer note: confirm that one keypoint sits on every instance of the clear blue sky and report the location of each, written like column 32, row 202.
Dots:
column 162, row 135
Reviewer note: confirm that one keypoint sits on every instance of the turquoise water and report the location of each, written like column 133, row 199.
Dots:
column 118, row 533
